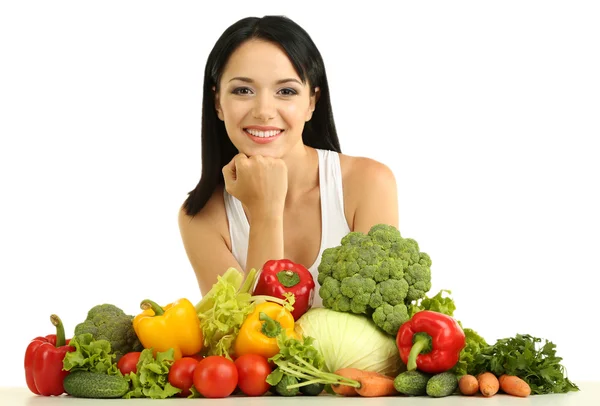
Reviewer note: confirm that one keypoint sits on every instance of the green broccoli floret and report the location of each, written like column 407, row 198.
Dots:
column 378, row 274
column 389, row 318
column 108, row 322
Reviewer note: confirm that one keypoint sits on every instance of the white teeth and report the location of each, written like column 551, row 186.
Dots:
column 263, row 134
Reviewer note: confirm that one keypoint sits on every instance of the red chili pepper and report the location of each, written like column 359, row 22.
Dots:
column 434, row 331
column 284, row 276
column 44, row 361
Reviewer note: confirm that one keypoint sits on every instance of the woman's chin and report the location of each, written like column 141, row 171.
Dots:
column 263, row 150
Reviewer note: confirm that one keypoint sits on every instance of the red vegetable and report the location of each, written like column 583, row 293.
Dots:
column 44, row 361
column 128, row 362
column 181, row 375
column 215, row 377
column 280, row 276
column 253, row 370
column 430, row 329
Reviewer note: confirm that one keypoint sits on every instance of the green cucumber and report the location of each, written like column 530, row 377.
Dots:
column 314, row 389
column 412, row 383
column 85, row 384
column 442, row 384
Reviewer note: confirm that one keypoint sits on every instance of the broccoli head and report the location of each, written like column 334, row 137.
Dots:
column 378, row 274
column 108, row 322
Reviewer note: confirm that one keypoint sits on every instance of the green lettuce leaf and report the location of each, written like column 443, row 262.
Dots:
column 90, row 355
column 152, row 377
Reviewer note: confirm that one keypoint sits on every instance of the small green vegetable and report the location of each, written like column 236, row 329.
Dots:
column 443, row 384
column 412, row 383
column 314, row 389
column 85, row 384
column 108, row 322
column 286, row 381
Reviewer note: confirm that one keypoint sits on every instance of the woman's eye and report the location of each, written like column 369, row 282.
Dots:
column 288, row 92
column 241, row 90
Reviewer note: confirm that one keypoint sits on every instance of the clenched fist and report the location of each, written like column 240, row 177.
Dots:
column 259, row 182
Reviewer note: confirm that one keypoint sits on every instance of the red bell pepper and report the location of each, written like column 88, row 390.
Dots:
column 44, row 361
column 284, row 276
column 431, row 331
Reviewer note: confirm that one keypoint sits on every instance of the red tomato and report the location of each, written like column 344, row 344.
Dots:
column 215, row 377
column 181, row 375
column 253, row 370
column 128, row 362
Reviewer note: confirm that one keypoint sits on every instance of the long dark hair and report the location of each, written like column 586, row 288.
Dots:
column 217, row 149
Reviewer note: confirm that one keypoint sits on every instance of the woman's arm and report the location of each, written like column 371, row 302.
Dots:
column 205, row 247
column 266, row 239
column 206, row 240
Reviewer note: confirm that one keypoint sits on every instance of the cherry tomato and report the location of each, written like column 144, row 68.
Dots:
column 181, row 375
column 215, row 377
column 253, row 370
column 128, row 362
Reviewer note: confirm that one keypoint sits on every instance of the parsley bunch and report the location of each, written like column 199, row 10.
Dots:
column 525, row 357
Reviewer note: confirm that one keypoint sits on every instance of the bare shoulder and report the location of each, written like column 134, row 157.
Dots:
column 370, row 192
column 359, row 173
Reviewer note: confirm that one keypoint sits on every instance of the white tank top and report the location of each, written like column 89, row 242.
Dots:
column 333, row 220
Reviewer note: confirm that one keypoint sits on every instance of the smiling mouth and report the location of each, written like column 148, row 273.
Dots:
column 263, row 134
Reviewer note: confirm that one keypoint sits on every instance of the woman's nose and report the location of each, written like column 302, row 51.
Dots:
column 264, row 107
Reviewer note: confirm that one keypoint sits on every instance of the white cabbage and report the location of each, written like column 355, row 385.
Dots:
column 350, row 341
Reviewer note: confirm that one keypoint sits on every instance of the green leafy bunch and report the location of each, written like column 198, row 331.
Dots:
column 531, row 358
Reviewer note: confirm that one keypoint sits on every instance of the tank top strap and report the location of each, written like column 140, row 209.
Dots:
column 239, row 228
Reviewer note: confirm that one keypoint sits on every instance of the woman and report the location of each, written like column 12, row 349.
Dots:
column 274, row 183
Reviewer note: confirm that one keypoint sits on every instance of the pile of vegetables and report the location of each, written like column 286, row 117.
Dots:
column 379, row 333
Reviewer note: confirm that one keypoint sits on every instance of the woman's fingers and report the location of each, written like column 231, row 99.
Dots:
column 230, row 170
column 257, row 181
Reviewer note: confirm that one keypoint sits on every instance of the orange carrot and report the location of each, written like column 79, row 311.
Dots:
column 372, row 384
column 488, row 384
column 344, row 390
column 468, row 385
column 350, row 373
column 513, row 385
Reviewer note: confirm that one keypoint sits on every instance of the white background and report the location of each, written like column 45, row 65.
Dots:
column 487, row 112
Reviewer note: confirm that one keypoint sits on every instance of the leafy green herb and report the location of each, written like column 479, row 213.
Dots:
column 152, row 377
column 90, row 355
column 528, row 358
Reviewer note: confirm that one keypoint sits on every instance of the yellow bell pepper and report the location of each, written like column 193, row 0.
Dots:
column 175, row 326
column 258, row 333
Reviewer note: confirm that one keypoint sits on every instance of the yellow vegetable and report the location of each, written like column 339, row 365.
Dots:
column 258, row 334
column 175, row 326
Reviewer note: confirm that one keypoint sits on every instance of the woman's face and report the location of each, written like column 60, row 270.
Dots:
column 262, row 101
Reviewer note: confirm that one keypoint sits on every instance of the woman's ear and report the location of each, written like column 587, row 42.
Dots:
column 314, row 98
column 218, row 104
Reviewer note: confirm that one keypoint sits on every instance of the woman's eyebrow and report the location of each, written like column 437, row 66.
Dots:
column 280, row 81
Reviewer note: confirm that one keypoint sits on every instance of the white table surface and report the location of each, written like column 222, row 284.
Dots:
column 589, row 394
